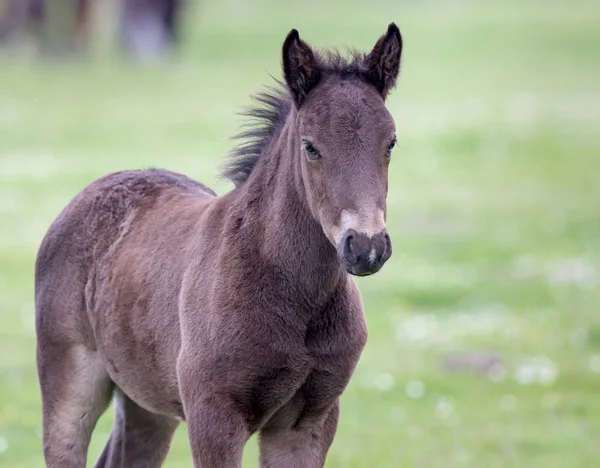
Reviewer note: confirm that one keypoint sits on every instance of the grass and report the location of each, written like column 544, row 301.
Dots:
column 493, row 209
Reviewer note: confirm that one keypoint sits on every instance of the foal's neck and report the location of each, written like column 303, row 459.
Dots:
column 290, row 237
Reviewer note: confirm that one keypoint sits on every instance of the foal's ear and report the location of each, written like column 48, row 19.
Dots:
column 300, row 67
column 382, row 65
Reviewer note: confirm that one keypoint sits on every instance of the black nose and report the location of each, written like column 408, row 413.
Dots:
column 365, row 255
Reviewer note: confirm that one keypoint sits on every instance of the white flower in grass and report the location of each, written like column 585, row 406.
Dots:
column 415, row 432
column 540, row 369
column 578, row 338
column 444, row 408
column 415, row 389
column 595, row 363
column 397, row 415
column 508, row 403
column 547, row 374
column 525, row 374
column 384, row 382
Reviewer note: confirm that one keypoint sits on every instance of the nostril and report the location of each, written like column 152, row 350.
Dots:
column 384, row 246
column 388, row 242
column 351, row 257
column 387, row 250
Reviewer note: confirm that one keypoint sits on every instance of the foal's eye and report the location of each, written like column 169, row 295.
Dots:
column 391, row 147
column 311, row 151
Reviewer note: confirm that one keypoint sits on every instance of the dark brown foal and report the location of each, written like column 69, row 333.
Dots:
column 236, row 313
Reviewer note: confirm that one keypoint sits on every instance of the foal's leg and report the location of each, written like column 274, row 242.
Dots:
column 304, row 446
column 144, row 31
column 217, row 431
column 172, row 13
column 75, row 391
column 139, row 439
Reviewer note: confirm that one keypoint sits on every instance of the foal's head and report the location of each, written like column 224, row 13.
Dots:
column 346, row 136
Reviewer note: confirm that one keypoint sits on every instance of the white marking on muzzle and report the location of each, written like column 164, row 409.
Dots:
column 372, row 255
column 365, row 221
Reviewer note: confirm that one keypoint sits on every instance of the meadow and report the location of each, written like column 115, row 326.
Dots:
column 484, row 345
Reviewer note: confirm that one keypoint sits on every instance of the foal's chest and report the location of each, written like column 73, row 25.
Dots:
column 271, row 360
column 314, row 376
column 306, row 388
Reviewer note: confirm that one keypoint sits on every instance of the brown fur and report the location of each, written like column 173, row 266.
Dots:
column 234, row 313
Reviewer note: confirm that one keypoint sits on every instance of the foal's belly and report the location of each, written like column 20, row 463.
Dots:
column 138, row 336
column 145, row 370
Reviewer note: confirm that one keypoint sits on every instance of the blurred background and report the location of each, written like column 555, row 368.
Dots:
column 484, row 347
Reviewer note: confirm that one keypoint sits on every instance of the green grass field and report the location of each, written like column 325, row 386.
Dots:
column 494, row 210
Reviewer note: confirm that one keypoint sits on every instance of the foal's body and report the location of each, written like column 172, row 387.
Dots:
column 129, row 335
column 234, row 313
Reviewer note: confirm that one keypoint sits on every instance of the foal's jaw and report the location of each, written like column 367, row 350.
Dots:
column 362, row 241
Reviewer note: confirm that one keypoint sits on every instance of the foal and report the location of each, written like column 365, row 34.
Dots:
column 235, row 313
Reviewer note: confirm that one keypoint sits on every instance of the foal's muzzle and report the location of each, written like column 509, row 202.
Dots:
column 365, row 255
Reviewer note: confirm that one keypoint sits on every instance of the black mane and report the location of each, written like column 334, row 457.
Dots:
column 265, row 121
column 273, row 106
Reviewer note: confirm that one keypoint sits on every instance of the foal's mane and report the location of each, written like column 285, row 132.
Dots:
column 273, row 105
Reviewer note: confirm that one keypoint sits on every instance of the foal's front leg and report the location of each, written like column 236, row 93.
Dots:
column 217, row 431
column 304, row 445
